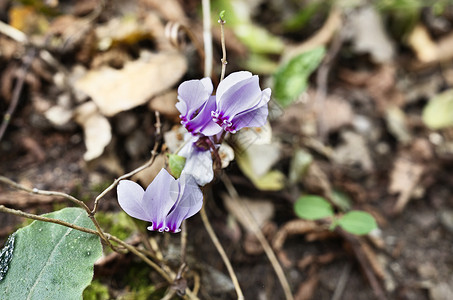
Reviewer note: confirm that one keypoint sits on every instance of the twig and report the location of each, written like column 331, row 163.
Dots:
column 222, row 38
column 45, row 219
column 17, row 91
column 364, row 263
column 132, row 173
column 207, row 37
column 42, row 192
column 341, row 284
column 60, row 194
column 183, row 242
column 257, row 231
column 222, row 253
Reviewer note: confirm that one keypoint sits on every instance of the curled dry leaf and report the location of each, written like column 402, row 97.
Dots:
column 96, row 127
column 114, row 90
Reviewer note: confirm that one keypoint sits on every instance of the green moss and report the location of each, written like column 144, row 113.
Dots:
column 96, row 291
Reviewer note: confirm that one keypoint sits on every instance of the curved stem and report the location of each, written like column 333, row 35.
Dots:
column 261, row 238
column 222, row 253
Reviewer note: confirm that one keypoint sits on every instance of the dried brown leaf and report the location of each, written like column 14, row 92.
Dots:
column 114, row 90
column 403, row 179
column 96, row 127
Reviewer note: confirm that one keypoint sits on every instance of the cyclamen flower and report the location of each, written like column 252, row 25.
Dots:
column 165, row 203
column 195, row 105
column 241, row 102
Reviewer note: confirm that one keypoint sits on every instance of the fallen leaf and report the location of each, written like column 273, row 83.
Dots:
column 364, row 22
column 353, row 151
column 96, row 128
column 438, row 113
column 165, row 104
column 114, row 90
column 261, row 210
column 403, row 180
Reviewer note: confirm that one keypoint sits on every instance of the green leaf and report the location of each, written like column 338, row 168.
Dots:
column 291, row 79
column 341, row 200
column 51, row 261
column 357, row 222
column 5, row 256
column 438, row 113
column 299, row 165
column 312, row 207
column 222, row 15
column 176, row 163
column 258, row 39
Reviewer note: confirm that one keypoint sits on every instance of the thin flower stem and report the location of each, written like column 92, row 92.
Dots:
column 222, row 38
column 257, row 231
column 207, row 37
column 222, row 253
column 132, row 173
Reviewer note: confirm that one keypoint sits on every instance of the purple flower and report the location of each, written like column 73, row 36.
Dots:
column 165, row 203
column 195, row 105
column 240, row 102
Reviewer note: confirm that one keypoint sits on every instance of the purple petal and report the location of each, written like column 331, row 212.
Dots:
column 203, row 123
column 189, row 203
column 231, row 80
column 239, row 97
column 192, row 94
column 130, row 198
column 159, row 198
column 255, row 117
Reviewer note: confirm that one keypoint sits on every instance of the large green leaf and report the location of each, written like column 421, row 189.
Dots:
column 51, row 261
column 438, row 113
column 291, row 78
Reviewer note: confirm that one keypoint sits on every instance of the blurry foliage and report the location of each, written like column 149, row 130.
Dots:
column 238, row 17
column 305, row 13
column 291, row 79
column 118, row 224
column 176, row 163
column 357, row 222
column 438, row 113
column 96, row 291
column 312, row 207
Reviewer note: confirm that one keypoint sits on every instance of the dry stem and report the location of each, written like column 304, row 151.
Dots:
column 257, row 231
column 222, row 253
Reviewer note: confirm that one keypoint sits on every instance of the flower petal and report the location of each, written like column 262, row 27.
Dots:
column 193, row 94
column 130, row 198
column 159, row 198
column 255, row 117
column 203, row 123
column 188, row 204
column 239, row 97
column 199, row 165
column 231, row 80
